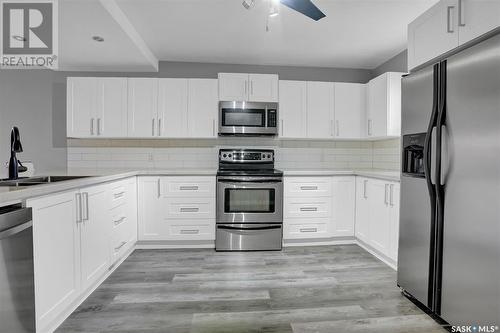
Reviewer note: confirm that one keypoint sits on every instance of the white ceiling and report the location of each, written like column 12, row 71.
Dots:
column 138, row 33
column 355, row 33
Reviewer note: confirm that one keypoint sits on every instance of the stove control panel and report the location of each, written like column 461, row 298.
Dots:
column 246, row 156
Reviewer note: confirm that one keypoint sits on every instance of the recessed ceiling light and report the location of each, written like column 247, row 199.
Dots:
column 98, row 39
column 19, row 38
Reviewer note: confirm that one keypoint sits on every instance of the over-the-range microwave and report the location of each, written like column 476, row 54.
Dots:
column 248, row 118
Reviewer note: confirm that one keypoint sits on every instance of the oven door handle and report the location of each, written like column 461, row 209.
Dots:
column 249, row 229
column 238, row 181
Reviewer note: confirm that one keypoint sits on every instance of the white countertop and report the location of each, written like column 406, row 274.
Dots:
column 13, row 195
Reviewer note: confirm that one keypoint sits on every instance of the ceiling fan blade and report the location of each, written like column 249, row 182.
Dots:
column 305, row 7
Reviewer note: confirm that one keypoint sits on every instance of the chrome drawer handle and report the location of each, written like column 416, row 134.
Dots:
column 120, row 220
column 190, row 232
column 309, row 230
column 189, row 209
column 188, row 188
column 119, row 194
column 308, row 209
column 120, row 246
column 309, row 188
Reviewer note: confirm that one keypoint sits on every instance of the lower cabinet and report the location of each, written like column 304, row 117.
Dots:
column 176, row 208
column 72, row 232
column 377, row 215
column 318, row 207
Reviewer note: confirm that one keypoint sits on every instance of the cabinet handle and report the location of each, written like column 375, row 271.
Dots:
column 85, row 197
column 153, row 127
column 78, row 207
column 190, row 232
column 282, row 128
column 308, row 209
column 120, row 246
column 450, row 19
column 159, row 187
column 246, row 88
column 188, row 188
column 213, row 127
column 309, row 188
column 369, row 127
column 189, row 209
column 119, row 194
column 120, row 220
column 391, row 197
column 338, row 127
column 309, row 230
column 332, row 128
column 251, row 87
column 365, row 182
column 98, row 126
column 385, row 194
column 461, row 13
column 92, row 126
column 159, row 126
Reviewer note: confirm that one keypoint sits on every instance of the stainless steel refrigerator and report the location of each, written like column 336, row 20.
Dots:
column 449, row 243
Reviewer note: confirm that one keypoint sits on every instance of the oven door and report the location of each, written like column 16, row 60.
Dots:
column 249, row 200
column 246, row 118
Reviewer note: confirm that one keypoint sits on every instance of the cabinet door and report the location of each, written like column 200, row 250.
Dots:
column 343, row 206
column 142, row 107
column 394, row 219
column 362, row 226
column 233, row 87
column 203, row 108
column 477, row 17
column 350, row 110
column 56, row 238
column 263, row 88
column 292, row 109
column 95, row 234
column 320, row 109
column 151, row 221
column 111, row 107
column 172, row 108
column 81, row 107
column 377, row 107
column 378, row 209
column 433, row 33
column 131, row 189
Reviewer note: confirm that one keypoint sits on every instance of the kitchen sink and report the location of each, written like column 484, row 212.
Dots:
column 33, row 181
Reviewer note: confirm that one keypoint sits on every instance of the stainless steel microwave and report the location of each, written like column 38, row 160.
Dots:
column 248, row 118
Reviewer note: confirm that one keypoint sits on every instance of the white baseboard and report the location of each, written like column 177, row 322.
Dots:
column 389, row 262
column 159, row 245
column 319, row 242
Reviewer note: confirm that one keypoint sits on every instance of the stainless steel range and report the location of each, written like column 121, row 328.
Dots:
column 249, row 201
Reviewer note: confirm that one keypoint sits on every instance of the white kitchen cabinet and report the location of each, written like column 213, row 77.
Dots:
column 292, row 109
column 362, row 221
column 343, row 206
column 111, row 119
column 378, row 209
column 172, row 119
column 248, row 87
column 203, row 107
column 384, row 106
column 320, row 110
column 151, row 219
column 142, row 107
column 56, row 238
column 447, row 25
column 94, row 234
column 394, row 195
column 350, row 110
column 263, row 88
column 81, row 106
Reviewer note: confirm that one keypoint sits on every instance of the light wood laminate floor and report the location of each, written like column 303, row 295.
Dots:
column 323, row 289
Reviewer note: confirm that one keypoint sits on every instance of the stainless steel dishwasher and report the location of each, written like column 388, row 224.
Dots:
column 17, row 292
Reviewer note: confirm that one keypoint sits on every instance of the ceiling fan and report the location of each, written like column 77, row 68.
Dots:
column 305, row 7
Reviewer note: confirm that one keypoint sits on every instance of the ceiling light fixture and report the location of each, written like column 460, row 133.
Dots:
column 248, row 4
column 98, row 39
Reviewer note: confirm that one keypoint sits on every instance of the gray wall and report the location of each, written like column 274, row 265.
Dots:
column 398, row 63
column 35, row 101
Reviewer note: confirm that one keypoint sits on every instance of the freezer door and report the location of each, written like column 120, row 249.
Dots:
column 471, row 170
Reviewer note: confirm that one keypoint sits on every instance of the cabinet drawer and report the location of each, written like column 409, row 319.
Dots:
column 118, row 196
column 190, row 208
column 188, row 186
column 308, row 186
column 300, row 231
column 119, row 217
column 121, row 241
column 191, row 231
column 308, row 207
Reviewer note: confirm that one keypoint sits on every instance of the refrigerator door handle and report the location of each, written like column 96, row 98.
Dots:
column 444, row 154
column 433, row 156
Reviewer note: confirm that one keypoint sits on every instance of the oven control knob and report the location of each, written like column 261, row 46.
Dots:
column 230, row 155
column 225, row 155
column 269, row 156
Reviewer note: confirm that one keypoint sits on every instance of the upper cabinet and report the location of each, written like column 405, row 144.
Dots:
column 447, row 25
column 248, row 87
column 350, row 110
column 292, row 109
column 202, row 108
column 384, row 106
column 320, row 110
column 172, row 108
column 96, row 107
column 142, row 107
